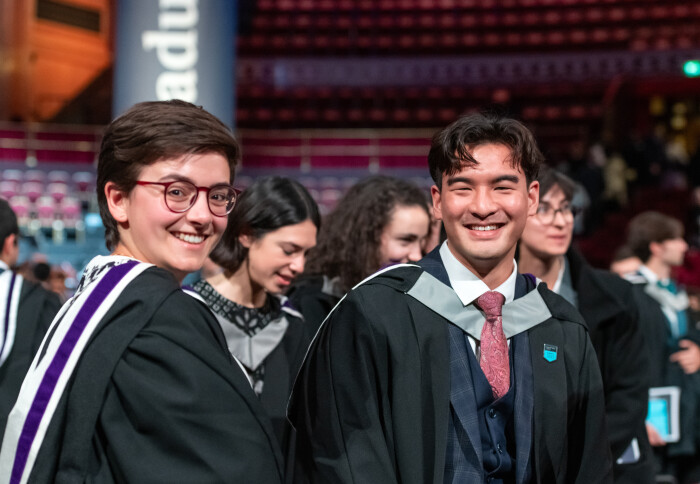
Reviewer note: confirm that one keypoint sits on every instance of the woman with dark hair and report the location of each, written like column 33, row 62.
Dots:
column 270, row 231
column 381, row 221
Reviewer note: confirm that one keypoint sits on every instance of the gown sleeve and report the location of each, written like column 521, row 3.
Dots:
column 339, row 402
column 171, row 414
column 589, row 456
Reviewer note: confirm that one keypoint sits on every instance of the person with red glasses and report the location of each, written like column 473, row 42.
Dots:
column 134, row 382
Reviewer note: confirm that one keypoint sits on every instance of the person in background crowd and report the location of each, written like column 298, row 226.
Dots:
column 264, row 248
column 26, row 311
column 657, row 240
column 134, row 382
column 422, row 375
column 379, row 222
column 606, row 303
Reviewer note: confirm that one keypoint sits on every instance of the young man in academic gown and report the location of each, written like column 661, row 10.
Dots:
column 614, row 322
column 416, row 378
column 673, row 340
column 133, row 382
column 26, row 311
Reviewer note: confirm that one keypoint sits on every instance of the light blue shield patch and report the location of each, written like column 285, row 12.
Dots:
column 550, row 353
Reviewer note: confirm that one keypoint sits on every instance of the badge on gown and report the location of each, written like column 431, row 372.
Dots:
column 550, row 352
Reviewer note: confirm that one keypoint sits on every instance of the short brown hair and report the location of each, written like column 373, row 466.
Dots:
column 550, row 177
column 450, row 148
column 152, row 131
column 648, row 227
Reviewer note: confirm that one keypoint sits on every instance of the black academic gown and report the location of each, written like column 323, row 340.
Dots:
column 607, row 304
column 36, row 309
column 666, row 373
column 156, row 397
column 371, row 402
column 307, row 296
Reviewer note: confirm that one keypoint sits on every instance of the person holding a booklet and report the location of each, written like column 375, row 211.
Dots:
column 673, row 344
column 133, row 382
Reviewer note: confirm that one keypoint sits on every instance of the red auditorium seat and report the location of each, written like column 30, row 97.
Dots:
column 35, row 176
column 32, row 190
column 300, row 41
column 401, row 115
column 60, row 176
column 69, row 211
column 9, row 189
column 22, row 208
column 355, row 114
column 12, row 175
column 243, row 115
column 57, row 190
column 45, row 211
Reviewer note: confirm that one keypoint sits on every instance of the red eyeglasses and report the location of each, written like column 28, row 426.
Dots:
column 181, row 195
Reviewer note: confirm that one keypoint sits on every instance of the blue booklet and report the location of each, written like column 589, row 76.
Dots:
column 664, row 412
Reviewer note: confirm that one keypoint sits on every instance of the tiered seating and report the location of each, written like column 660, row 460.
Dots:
column 553, row 110
column 328, row 186
column 44, row 144
column 43, row 197
column 334, row 150
column 318, row 27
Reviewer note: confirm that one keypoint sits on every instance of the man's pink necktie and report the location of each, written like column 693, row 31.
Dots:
column 494, row 347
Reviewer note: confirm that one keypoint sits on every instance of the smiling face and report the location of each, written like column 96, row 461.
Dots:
column 277, row 257
column 150, row 232
column 548, row 240
column 404, row 235
column 484, row 209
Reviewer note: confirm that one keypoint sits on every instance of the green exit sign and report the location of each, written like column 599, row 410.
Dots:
column 691, row 68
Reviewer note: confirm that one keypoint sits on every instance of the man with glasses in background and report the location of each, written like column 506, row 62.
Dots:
column 606, row 303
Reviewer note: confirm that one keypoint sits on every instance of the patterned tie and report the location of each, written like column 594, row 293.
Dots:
column 494, row 347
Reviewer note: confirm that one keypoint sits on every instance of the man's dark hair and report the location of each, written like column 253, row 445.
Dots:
column 623, row 252
column 153, row 131
column 648, row 227
column 451, row 147
column 268, row 204
column 350, row 240
column 8, row 221
column 549, row 178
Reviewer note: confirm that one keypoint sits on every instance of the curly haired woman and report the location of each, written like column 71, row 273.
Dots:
column 379, row 222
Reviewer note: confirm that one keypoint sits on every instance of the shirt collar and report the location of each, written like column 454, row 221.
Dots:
column 648, row 274
column 4, row 266
column 467, row 285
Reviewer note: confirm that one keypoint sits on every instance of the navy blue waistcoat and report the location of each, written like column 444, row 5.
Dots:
column 461, row 461
column 495, row 422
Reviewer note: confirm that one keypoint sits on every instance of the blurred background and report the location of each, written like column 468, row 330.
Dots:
column 330, row 91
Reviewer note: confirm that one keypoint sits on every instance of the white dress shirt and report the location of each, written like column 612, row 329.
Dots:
column 668, row 311
column 469, row 287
